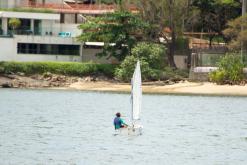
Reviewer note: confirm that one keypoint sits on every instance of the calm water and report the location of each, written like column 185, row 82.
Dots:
column 71, row 127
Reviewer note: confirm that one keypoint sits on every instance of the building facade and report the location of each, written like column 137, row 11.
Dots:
column 44, row 36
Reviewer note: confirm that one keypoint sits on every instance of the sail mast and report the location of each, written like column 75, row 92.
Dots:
column 136, row 93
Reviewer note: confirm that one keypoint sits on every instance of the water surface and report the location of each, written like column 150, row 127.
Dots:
column 74, row 127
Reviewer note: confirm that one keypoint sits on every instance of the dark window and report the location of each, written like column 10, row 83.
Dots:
column 49, row 49
column 62, row 18
column 37, row 27
column 1, row 30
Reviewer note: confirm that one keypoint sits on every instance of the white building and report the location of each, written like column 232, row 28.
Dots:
column 43, row 36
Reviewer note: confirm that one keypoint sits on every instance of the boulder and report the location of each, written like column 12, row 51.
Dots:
column 7, row 85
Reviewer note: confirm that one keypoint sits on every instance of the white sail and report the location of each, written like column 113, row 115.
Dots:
column 136, row 93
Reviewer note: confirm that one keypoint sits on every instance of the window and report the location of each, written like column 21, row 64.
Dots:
column 37, row 27
column 49, row 49
column 1, row 30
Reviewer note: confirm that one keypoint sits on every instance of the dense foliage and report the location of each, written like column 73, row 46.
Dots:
column 236, row 32
column 64, row 68
column 119, row 31
column 151, row 57
column 230, row 70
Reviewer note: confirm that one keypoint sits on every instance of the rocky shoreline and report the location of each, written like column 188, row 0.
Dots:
column 53, row 81
column 47, row 80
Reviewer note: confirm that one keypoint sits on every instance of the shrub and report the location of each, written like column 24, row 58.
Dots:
column 127, row 67
column 151, row 60
column 218, row 76
column 230, row 70
column 152, row 53
column 14, row 23
column 64, row 68
column 170, row 73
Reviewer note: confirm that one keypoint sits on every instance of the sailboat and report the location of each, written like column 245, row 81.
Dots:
column 135, row 127
column 136, row 100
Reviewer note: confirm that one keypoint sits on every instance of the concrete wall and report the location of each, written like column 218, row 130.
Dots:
column 181, row 61
column 35, row 57
column 48, row 26
column 72, row 28
column 8, row 49
column 90, row 55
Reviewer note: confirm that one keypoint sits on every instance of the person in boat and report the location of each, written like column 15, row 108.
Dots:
column 118, row 122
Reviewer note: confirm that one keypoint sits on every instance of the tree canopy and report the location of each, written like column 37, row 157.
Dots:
column 237, row 32
column 119, row 31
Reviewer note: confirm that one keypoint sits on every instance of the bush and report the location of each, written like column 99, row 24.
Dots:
column 230, row 70
column 14, row 23
column 152, row 53
column 218, row 77
column 170, row 73
column 127, row 67
column 151, row 61
column 64, row 68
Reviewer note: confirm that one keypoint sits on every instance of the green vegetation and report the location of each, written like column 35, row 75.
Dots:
column 14, row 23
column 230, row 70
column 108, row 2
column 31, row 10
column 236, row 34
column 123, row 72
column 120, row 31
column 63, row 68
column 152, row 59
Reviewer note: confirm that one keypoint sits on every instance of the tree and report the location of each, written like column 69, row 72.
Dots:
column 119, row 31
column 214, row 15
column 150, row 56
column 169, row 14
column 14, row 23
column 237, row 33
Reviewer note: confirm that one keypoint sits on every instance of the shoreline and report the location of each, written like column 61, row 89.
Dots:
column 181, row 88
column 107, row 85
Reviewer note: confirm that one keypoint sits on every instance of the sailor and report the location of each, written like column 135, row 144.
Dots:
column 118, row 122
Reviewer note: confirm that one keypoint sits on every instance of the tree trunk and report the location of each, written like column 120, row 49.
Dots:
column 172, row 51
column 173, row 35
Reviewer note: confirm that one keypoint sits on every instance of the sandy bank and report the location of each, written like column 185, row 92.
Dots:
column 199, row 88
column 97, row 84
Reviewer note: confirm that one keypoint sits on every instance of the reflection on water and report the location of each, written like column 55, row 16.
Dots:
column 70, row 127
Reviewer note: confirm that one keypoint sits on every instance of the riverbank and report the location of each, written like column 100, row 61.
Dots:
column 51, row 81
column 183, row 87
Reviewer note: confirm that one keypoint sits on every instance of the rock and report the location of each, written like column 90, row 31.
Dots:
column 7, row 85
column 73, row 80
column 22, row 84
column 10, row 76
column 20, row 73
column 54, row 79
column 47, row 74
column 35, row 77
column 61, row 78
column 88, row 79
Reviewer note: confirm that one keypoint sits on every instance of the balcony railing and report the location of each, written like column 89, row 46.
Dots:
column 55, row 32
